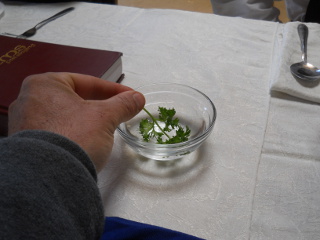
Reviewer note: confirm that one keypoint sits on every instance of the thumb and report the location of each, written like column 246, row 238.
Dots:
column 125, row 106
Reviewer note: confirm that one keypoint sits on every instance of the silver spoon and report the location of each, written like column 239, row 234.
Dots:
column 32, row 31
column 303, row 70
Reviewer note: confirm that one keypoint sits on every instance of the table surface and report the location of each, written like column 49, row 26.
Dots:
column 257, row 175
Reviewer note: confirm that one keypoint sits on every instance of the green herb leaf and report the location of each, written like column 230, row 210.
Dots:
column 148, row 127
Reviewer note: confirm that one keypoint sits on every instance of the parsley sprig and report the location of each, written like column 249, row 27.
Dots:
column 166, row 117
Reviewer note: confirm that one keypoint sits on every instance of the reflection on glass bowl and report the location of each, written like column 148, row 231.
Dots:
column 193, row 108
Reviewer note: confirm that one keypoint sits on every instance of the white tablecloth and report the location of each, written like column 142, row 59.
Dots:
column 257, row 176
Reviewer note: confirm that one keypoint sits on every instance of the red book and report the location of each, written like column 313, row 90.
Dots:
column 20, row 58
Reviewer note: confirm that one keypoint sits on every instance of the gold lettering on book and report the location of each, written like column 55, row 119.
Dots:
column 15, row 53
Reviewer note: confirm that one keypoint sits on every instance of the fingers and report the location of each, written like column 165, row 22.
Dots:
column 122, row 101
column 89, row 87
column 124, row 106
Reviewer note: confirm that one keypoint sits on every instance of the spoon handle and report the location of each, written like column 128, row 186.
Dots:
column 59, row 14
column 303, row 35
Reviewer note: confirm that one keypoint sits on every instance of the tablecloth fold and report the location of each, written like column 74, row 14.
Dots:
column 287, row 52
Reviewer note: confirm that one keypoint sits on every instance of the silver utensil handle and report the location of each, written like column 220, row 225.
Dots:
column 303, row 35
column 59, row 14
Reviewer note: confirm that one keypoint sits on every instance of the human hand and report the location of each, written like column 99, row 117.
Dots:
column 85, row 109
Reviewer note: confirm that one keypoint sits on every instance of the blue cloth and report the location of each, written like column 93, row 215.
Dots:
column 122, row 229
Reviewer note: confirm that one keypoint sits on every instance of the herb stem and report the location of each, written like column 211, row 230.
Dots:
column 156, row 122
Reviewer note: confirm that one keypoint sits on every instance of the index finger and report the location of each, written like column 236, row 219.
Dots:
column 92, row 88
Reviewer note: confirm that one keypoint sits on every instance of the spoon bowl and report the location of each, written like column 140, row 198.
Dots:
column 303, row 70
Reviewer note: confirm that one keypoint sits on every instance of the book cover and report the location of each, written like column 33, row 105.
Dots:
column 20, row 58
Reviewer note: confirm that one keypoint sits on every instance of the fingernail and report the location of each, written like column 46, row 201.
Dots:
column 139, row 100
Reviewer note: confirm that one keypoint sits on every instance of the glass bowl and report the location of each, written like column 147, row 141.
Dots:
column 193, row 108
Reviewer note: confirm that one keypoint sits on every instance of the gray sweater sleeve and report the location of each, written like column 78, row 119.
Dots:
column 48, row 189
